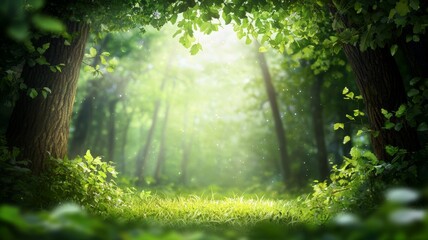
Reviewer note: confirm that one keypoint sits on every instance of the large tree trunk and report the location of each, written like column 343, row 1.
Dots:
column 381, row 86
column 162, row 148
column 318, row 124
column 40, row 126
column 279, row 129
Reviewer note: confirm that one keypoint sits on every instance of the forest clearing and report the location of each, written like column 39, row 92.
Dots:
column 214, row 119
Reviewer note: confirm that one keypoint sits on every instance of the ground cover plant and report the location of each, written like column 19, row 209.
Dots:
column 213, row 119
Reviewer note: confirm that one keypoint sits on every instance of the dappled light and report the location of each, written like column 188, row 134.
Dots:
column 213, row 120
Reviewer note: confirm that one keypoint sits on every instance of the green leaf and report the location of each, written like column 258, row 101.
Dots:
column 346, row 139
column 88, row 68
column 345, row 90
column 358, row 7
column 402, row 7
column 10, row 215
column 401, row 110
column 414, row 81
column 47, row 89
column 33, row 93
column 422, row 127
column 262, row 49
column 393, row 49
column 398, row 126
column 338, row 125
column 413, row 92
column 386, row 114
column 48, row 23
column 414, row 4
column 389, row 125
column 349, row 117
column 391, row 150
column 359, row 132
column 195, row 48
column 92, row 52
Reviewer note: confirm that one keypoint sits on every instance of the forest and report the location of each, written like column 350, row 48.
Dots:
column 214, row 119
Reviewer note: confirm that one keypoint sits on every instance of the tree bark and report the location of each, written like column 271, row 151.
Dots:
column 318, row 124
column 381, row 86
column 279, row 129
column 39, row 126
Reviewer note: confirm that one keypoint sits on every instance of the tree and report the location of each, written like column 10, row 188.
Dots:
column 39, row 126
column 279, row 128
column 318, row 125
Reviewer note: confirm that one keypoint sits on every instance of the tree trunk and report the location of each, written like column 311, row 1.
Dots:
column 142, row 155
column 187, row 147
column 162, row 148
column 40, row 126
column 112, row 129
column 122, row 165
column 144, row 151
column 279, row 129
column 318, row 124
column 381, row 86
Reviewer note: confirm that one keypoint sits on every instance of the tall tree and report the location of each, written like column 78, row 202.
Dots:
column 40, row 126
column 144, row 150
column 318, row 125
column 162, row 148
column 279, row 128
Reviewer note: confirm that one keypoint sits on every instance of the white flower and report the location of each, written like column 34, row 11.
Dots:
column 407, row 216
column 402, row 195
column 156, row 15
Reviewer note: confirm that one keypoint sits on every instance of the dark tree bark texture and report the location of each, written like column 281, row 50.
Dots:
column 381, row 86
column 40, row 126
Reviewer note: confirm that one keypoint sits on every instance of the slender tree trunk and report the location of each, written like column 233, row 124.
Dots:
column 279, row 129
column 40, row 126
column 162, row 148
column 318, row 124
column 187, row 148
column 112, row 129
column 381, row 86
column 122, row 165
column 144, row 151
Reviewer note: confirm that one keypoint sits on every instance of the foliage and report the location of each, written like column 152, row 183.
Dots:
column 87, row 181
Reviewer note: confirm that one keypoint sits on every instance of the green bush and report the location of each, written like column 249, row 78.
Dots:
column 87, row 181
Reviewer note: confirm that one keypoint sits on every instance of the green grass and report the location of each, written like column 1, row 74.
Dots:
column 238, row 211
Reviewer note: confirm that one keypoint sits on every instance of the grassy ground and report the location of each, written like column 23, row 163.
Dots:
column 239, row 211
